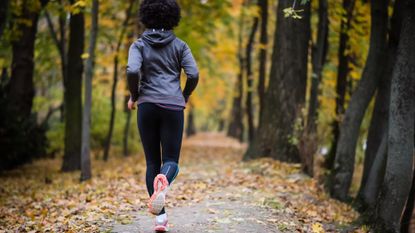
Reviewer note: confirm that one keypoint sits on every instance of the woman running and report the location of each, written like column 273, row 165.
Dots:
column 154, row 67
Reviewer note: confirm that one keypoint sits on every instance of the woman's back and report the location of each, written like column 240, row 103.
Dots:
column 159, row 56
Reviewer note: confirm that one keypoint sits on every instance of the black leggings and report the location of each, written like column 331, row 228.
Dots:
column 160, row 126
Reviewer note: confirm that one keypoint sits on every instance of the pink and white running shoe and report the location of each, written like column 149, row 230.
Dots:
column 158, row 199
column 161, row 223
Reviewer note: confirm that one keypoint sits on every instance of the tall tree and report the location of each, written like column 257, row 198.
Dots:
column 399, row 168
column 263, row 40
column 342, row 74
column 89, row 73
column 115, row 78
column 308, row 144
column 350, row 126
column 379, row 123
column 285, row 96
column 191, row 128
column 73, row 92
column 21, row 137
column 250, row 79
column 236, row 127
column 4, row 12
column 319, row 54
column 21, row 88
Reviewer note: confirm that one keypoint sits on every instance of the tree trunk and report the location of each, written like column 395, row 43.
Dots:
column 285, row 96
column 250, row 80
column 115, row 80
column 61, row 46
column 21, row 90
column 380, row 116
column 342, row 74
column 309, row 140
column 73, row 94
column 236, row 127
column 350, row 126
column 371, row 190
column 409, row 214
column 399, row 169
column 263, row 40
column 191, row 129
column 4, row 13
column 319, row 54
column 127, row 126
column 89, row 73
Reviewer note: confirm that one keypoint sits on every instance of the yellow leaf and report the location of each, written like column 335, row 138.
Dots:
column 317, row 228
column 85, row 56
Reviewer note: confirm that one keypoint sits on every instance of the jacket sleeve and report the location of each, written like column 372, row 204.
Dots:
column 135, row 61
column 189, row 65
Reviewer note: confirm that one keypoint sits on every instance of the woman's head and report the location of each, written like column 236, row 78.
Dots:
column 160, row 14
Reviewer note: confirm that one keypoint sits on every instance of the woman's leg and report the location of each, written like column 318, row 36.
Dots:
column 171, row 133
column 149, row 128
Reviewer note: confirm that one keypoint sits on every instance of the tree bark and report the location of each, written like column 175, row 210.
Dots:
column 371, row 190
column 319, row 54
column 115, row 80
column 250, row 80
column 21, row 90
column 350, row 127
column 409, row 214
column 89, row 73
column 190, row 129
column 4, row 13
column 236, row 127
column 342, row 74
column 399, row 169
column 127, row 126
column 263, row 40
column 73, row 94
column 380, row 115
column 285, row 96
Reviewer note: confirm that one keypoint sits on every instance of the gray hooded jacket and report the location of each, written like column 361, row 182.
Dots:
column 154, row 68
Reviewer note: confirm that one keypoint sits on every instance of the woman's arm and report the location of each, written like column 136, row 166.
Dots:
column 133, row 71
column 192, row 72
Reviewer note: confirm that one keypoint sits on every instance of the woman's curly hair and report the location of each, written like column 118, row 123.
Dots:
column 160, row 14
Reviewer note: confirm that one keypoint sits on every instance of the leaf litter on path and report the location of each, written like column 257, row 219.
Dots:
column 212, row 180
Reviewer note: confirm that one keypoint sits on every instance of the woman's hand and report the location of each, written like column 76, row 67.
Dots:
column 131, row 104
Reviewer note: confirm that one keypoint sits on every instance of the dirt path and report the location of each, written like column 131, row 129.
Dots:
column 215, row 192
column 215, row 209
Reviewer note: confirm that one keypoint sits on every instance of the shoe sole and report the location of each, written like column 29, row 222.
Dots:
column 158, row 199
column 161, row 229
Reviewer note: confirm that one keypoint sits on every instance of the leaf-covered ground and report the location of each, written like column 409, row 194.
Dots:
column 214, row 192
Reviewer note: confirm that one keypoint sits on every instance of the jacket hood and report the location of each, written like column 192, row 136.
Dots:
column 158, row 38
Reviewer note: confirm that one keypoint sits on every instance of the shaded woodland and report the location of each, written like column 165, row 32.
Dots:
column 329, row 85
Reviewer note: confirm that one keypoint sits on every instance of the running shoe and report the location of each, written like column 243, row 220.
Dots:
column 157, row 200
column 161, row 223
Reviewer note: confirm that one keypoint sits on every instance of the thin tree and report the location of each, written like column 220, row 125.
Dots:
column 191, row 128
column 236, row 127
column 379, row 123
column 342, row 74
column 89, row 73
column 73, row 93
column 399, row 167
column 350, row 127
column 285, row 96
column 115, row 78
column 319, row 55
column 263, row 40
column 4, row 14
column 308, row 144
column 21, row 90
column 250, row 79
